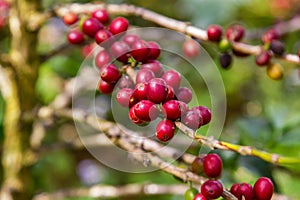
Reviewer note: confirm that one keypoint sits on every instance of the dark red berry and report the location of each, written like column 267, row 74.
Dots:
column 172, row 78
column 70, row 18
column 173, row 109
column 125, row 82
column 199, row 196
column 146, row 110
column 212, row 165
column 144, row 75
column 110, row 73
column 120, row 50
column 75, row 37
column 191, row 48
column 171, row 94
column 118, row 25
column 154, row 66
column 214, row 33
column 212, row 189
column 239, row 53
column 263, row 58
column 235, row 190
column 125, row 98
column 140, row 91
column 246, row 191
column 130, row 39
column 165, row 130
column 263, row 189
column 184, row 94
column 197, row 164
column 154, row 50
column 91, row 26
column 140, row 51
column 106, row 88
column 235, row 32
column 205, row 113
column 277, row 47
column 134, row 118
column 270, row 35
column 157, row 90
column 225, row 60
column 102, row 35
column 102, row 58
column 192, row 119
column 101, row 15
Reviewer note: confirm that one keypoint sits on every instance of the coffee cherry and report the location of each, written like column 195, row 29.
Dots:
column 130, row 39
column 120, row 51
column 224, row 45
column 263, row 58
column 4, row 12
column 190, row 193
column 154, row 50
column 263, row 189
column 197, row 164
column 102, row 35
column 102, row 58
column 277, row 47
column 105, row 87
column 205, row 113
column 170, row 94
column 191, row 48
column 146, row 110
column 242, row 191
column 140, row 51
column 134, row 118
column 125, row 82
column 110, row 73
column 199, row 196
column 125, row 98
column 118, row 25
column 173, row 109
column 240, row 54
column 270, row 35
column 154, row 66
column 212, row 165
column 140, row 91
column 214, row 33
column 165, row 130
column 91, row 26
column 235, row 32
column 275, row 71
column 225, row 60
column 144, row 75
column 212, row 189
column 101, row 15
column 157, row 90
column 184, row 94
column 75, row 37
column 86, row 50
column 172, row 78
column 192, row 119
column 70, row 18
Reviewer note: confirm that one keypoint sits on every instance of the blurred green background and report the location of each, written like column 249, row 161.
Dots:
column 261, row 112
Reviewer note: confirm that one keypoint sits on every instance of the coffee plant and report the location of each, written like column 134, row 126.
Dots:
column 191, row 100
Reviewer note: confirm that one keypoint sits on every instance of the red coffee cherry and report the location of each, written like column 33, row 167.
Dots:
column 235, row 32
column 134, row 118
column 146, row 110
column 170, row 94
column 214, row 33
column 199, row 196
column 102, row 58
column 172, row 78
column 154, row 50
column 205, row 113
column 192, row 119
column 120, row 50
column 110, row 73
column 225, row 60
column 140, row 91
column 102, row 35
column 173, row 109
column 157, row 90
column 105, row 87
column 197, row 164
column 212, row 189
column 125, row 98
column 101, row 15
column 242, row 190
column 184, row 94
column 70, row 18
column 277, row 47
column 270, row 35
column 91, row 26
column 165, row 130
column 130, row 39
column 75, row 37
column 154, row 66
column 118, row 25
column 191, row 48
column 140, row 51
column 212, row 165
column 263, row 58
column 144, row 75
column 125, row 82
column 263, row 189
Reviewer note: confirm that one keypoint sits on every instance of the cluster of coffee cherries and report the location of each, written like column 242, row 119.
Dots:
column 211, row 166
column 272, row 46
